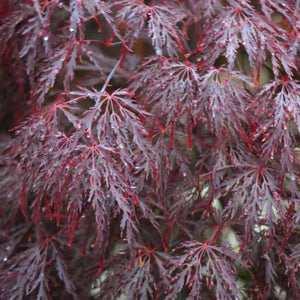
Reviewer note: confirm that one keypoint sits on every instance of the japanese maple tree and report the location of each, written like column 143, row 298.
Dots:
column 150, row 149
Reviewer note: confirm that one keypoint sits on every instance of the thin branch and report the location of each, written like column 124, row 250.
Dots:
column 112, row 72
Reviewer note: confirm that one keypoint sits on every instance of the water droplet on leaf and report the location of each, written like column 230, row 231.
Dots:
column 158, row 52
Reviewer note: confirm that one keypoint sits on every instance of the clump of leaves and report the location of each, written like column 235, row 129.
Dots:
column 154, row 149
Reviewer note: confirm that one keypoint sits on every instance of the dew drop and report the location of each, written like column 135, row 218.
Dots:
column 137, row 167
column 184, row 174
column 7, row 248
column 158, row 52
column 293, row 177
column 229, row 203
column 71, row 29
column 4, row 258
column 133, row 187
column 148, row 15
column 46, row 38
column 195, row 104
column 88, row 136
column 121, row 146
column 60, row 4
column 78, row 126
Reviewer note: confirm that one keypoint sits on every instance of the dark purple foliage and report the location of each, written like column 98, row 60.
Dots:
column 150, row 149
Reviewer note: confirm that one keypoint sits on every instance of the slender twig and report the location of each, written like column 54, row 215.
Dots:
column 110, row 75
column 112, row 72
